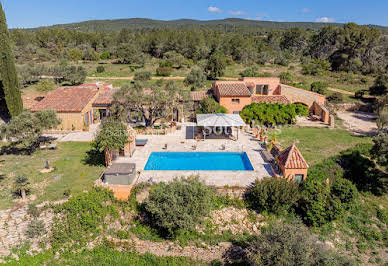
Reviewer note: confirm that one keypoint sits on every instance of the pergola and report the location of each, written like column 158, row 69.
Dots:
column 220, row 120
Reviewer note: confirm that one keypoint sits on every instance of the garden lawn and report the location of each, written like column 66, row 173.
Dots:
column 71, row 173
column 317, row 144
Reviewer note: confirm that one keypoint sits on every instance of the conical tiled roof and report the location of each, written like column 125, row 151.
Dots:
column 291, row 158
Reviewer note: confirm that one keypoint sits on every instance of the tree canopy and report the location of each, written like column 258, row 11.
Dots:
column 24, row 130
column 150, row 101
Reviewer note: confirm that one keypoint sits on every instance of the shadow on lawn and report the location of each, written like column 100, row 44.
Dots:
column 94, row 157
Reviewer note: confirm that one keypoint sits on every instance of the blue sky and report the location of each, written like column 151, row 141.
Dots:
column 33, row 13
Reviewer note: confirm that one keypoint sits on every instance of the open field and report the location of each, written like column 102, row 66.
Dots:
column 71, row 172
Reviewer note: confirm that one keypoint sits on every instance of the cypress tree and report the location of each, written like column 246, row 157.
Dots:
column 8, row 73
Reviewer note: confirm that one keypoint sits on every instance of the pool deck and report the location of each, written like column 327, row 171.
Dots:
column 180, row 142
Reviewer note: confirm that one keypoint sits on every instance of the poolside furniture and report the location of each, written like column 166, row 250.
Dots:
column 52, row 146
column 141, row 142
column 222, row 147
column 165, row 146
column 194, row 147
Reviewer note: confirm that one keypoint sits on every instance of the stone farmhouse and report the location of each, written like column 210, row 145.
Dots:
column 234, row 95
column 74, row 105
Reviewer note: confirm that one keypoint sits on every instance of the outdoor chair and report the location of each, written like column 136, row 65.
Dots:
column 141, row 142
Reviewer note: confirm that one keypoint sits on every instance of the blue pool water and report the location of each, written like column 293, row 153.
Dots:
column 199, row 161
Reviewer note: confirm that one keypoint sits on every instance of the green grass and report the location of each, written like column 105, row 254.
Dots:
column 317, row 144
column 101, row 255
column 71, row 172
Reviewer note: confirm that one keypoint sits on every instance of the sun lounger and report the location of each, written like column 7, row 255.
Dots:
column 141, row 142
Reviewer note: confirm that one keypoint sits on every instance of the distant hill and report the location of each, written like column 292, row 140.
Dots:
column 229, row 24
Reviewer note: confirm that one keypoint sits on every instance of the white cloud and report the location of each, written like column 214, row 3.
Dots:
column 325, row 20
column 261, row 16
column 306, row 10
column 236, row 13
column 214, row 9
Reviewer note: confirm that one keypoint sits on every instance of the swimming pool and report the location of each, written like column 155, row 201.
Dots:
column 199, row 161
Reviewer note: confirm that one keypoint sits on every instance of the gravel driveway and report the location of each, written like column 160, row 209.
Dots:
column 360, row 123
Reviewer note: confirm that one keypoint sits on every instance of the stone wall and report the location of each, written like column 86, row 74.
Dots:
column 295, row 95
column 319, row 110
column 13, row 228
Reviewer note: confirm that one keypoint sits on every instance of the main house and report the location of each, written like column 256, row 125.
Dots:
column 235, row 95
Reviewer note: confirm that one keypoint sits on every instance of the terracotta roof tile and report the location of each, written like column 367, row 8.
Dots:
column 67, row 99
column 105, row 98
column 199, row 95
column 232, row 88
column 271, row 99
column 291, row 158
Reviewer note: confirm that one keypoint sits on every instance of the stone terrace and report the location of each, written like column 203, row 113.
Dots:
column 181, row 141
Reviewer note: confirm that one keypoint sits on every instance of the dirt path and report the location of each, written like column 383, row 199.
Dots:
column 341, row 91
column 360, row 123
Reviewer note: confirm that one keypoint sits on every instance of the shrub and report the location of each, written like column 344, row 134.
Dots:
column 250, row 72
column 282, row 61
column 380, row 86
column 33, row 210
column 272, row 195
column 81, row 218
column 286, row 77
column 345, row 191
column 105, row 56
column 319, row 87
column 272, row 114
column 195, row 78
column 142, row 76
column 290, row 244
column 100, row 69
column 317, row 206
column 380, row 149
column 35, row 229
column 45, row 85
column 336, row 97
column 179, row 205
column 210, row 106
column 359, row 94
column 315, row 67
column 163, row 71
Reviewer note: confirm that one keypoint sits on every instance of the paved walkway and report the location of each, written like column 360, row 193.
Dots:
column 79, row 136
column 181, row 141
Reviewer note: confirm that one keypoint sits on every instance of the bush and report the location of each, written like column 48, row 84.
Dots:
column 142, row 76
column 380, row 86
column 359, row 94
column 100, row 69
column 282, row 61
column 81, row 218
column 250, row 72
column 336, row 97
column 195, row 78
column 105, row 56
column 290, row 244
column 45, row 85
column 272, row 114
column 345, row 191
column 33, row 211
column 317, row 206
column 179, row 205
column 210, row 106
column 315, row 67
column 272, row 195
column 286, row 78
column 35, row 229
column 163, row 71
column 319, row 87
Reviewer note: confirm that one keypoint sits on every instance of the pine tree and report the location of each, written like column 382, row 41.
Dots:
column 8, row 73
